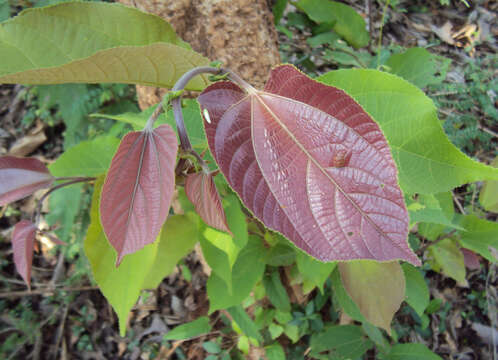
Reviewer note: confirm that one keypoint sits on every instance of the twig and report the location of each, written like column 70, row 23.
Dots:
column 10, row 294
column 459, row 206
column 422, row 249
column 74, row 180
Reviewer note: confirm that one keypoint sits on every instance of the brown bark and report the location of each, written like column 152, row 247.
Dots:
column 240, row 33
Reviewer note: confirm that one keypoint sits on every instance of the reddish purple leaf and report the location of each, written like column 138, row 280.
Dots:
column 470, row 259
column 23, row 240
column 201, row 191
column 138, row 189
column 309, row 162
column 21, row 177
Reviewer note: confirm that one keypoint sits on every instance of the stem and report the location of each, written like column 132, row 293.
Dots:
column 379, row 46
column 176, row 103
column 72, row 180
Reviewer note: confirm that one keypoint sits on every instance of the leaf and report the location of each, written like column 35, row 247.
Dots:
column 427, row 161
column 417, row 292
column 64, row 207
column 189, row 330
column 448, row 259
column 73, row 103
column 432, row 229
column 314, row 271
column 245, row 323
column 344, row 341
column 276, row 291
column 191, row 117
column 246, row 272
column 329, row 187
column 471, row 259
column 278, row 10
column 411, row 352
column 419, row 66
column 481, row 235
column 178, row 237
column 71, row 42
column 281, row 255
column 377, row 299
column 347, row 22
column 489, row 192
column 202, row 192
column 275, row 352
column 427, row 209
column 220, row 253
column 21, row 177
column 120, row 285
column 138, row 189
column 88, row 158
column 23, row 240
column 343, row 298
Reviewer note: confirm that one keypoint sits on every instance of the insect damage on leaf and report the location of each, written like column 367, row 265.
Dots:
column 309, row 162
column 138, row 189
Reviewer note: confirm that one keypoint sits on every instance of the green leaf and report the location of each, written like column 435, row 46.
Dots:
column 427, row 161
column 448, row 259
column 343, row 298
column 211, row 347
column 71, row 43
column 347, row 22
column 220, row 253
column 88, row 158
column 189, row 330
column 191, row 117
column 481, row 235
column 64, row 207
column 236, row 220
column 427, row 209
column 346, row 341
column 243, row 344
column 411, row 352
column 122, row 285
column 246, row 272
column 313, row 270
column 281, row 255
column 276, row 291
column 278, row 10
column 430, row 229
column 275, row 351
column 419, row 66
column 73, row 102
column 376, row 336
column 245, row 323
column 377, row 299
column 417, row 292
column 4, row 10
column 177, row 238
column 489, row 193
column 275, row 330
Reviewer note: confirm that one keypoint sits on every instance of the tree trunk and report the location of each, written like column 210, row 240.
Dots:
column 240, row 33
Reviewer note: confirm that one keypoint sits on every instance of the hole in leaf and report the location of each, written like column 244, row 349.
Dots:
column 350, row 233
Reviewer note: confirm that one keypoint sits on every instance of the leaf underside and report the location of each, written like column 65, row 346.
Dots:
column 138, row 189
column 23, row 240
column 93, row 43
column 21, row 177
column 201, row 191
column 309, row 162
